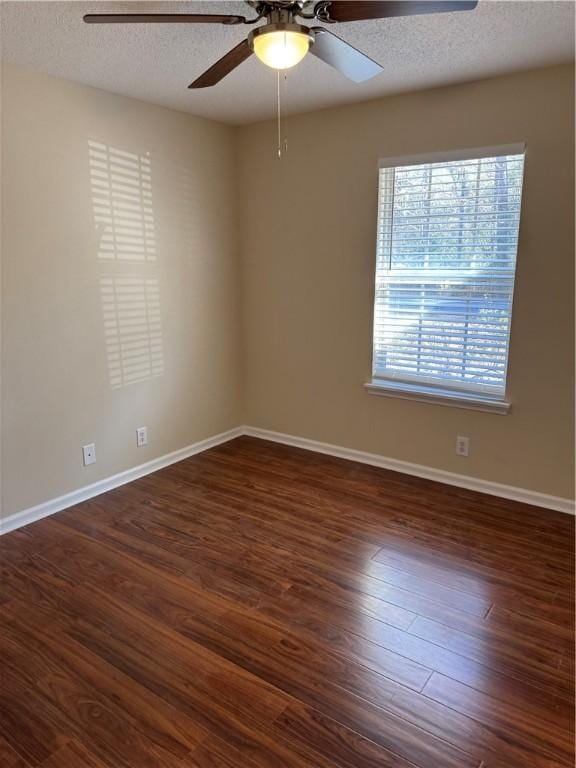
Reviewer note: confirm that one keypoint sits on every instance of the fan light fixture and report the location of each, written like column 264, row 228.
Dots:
column 281, row 46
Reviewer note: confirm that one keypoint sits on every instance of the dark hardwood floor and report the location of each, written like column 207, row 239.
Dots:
column 258, row 606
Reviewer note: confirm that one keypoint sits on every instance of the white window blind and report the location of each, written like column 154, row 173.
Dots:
column 446, row 260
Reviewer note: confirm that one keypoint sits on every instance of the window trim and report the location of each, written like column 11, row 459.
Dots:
column 453, row 155
column 437, row 396
column 423, row 392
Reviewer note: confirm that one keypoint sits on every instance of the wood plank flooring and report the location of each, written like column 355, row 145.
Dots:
column 259, row 606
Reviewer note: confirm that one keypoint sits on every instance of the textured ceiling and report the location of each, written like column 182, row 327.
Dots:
column 157, row 62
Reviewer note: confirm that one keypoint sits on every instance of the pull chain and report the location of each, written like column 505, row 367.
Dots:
column 282, row 143
column 285, row 102
column 279, row 115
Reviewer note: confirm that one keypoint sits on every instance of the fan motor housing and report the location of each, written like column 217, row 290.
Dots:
column 264, row 6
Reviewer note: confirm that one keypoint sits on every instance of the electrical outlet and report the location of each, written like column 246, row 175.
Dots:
column 89, row 454
column 462, row 445
column 142, row 436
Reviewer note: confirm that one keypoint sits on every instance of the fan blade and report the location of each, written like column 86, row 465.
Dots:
column 348, row 60
column 223, row 66
column 359, row 10
column 162, row 18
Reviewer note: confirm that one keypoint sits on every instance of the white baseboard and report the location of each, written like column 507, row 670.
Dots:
column 429, row 473
column 32, row 514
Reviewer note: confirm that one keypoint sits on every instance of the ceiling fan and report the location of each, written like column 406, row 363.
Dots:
column 282, row 42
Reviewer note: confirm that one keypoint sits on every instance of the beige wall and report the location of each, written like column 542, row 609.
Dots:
column 280, row 339
column 64, row 383
column 308, row 238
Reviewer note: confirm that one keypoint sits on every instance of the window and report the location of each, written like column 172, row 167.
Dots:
column 446, row 260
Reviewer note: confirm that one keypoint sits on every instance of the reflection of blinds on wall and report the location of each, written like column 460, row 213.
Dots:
column 447, row 241
column 122, row 203
column 121, row 184
column 131, row 309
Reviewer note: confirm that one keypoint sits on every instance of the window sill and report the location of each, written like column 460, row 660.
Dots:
column 436, row 396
